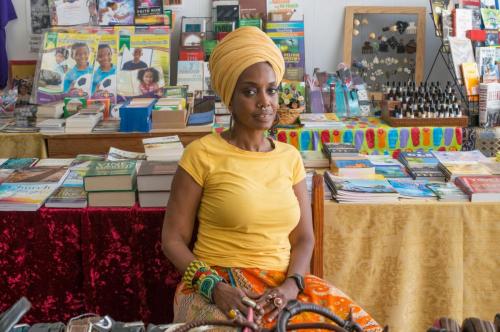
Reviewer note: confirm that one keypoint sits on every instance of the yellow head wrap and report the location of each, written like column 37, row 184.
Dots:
column 239, row 50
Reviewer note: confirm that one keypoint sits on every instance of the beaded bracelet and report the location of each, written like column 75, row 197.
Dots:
column 202, row 278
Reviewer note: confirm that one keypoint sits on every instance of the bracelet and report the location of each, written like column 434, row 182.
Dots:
column 202, row 278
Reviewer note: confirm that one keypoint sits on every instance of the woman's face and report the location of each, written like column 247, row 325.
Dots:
column 148, row 77
column 104, row 57
column 81, row 56
column 255, row 97
column 59, row 58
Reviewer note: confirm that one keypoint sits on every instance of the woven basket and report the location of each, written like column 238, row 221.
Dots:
column 289, row 116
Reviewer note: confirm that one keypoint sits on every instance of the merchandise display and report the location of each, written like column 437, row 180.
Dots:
column 96, row 134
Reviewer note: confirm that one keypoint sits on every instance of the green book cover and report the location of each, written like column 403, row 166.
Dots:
column 111, row 168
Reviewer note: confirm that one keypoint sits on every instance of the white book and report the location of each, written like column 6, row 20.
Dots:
column 463, row 22
column 461, row 52
column 53, row 162
column 115, row 154
column 190, row 73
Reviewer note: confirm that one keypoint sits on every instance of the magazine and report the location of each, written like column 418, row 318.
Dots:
column 461, row 52
column 72, row 12
column 66, row 66
column 116, row 12
column 144, row 66
column 149, row 12
column 289, row 37
column 104, row 76
column 491, row 18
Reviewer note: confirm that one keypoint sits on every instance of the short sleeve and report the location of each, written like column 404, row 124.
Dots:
column 194, row 162
column 299, row 172
column 7, row 12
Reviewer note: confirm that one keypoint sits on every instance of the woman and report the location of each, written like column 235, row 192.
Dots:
column 255, row 240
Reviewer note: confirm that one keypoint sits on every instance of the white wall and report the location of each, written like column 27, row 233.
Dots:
column 324, row 24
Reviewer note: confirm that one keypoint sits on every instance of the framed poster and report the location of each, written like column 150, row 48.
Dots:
column 21, row 75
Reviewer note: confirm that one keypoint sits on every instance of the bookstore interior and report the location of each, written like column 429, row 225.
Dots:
column 402, row 171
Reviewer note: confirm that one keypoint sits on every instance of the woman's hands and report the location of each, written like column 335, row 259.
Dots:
column 275, row 299
column 234, row 301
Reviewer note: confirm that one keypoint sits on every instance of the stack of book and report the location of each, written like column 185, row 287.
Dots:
column 447, row 192
column 415, row 190
column 82, row 123
column 314, row 159
column 169, row 113
column 154, row 180
column 480, row 188
column 339, row 150
column 107, row 126
column 422, row 166
column 321, row 120
column 462, row 163
column 52, row 110
column 352, row 168
column 167, row 148
column 111, row 183
column 388, row 167
column 27, row 189
column 360, row 190
column 52, row 125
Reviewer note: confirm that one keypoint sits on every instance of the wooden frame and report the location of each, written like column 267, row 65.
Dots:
column 420, row 12
column 318, row 221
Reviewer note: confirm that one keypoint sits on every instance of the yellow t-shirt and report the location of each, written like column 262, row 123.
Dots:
column 248, row 207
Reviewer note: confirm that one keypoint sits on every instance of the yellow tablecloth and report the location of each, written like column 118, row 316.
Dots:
column 14, row 145
column 408, row 264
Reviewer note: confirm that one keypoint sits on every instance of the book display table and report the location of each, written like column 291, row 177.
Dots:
column 410, row 263
column 69, row 145
column 19, row 145
column 373, row 136
column 72, row 261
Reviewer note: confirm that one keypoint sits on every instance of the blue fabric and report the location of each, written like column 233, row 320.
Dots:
column 100, row 75
column 74, row 74
column 7, row 13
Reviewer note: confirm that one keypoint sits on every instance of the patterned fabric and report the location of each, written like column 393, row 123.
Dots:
column 72, row 261
column 189, row 306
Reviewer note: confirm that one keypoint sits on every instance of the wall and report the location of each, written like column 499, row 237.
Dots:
column 324, row 24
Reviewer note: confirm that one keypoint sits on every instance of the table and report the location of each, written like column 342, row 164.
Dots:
column 19, row 145
column 73, row 261
column 410, row 263
column 372, row 136
column 69, row 145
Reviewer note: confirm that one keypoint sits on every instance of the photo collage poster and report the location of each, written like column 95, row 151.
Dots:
column 105, row 68
column 72, row 12
column 144, row 66
column 115, row 12
column 66, row 66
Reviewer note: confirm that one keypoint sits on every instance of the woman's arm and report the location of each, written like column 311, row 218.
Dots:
column 179, row 219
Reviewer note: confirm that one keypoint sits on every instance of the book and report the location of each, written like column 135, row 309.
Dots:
column 67, row 197
column 285, row 10
column 155, row 175
column 491, row 37
column 489, row 104
column 38, row 175
column 479, row 188
column 491, row 4
column 111, row 198
column 418, row 159
column 153, row 198
column 201, row 119
column 471, row 80
column 51, row 110
column 149, row 12
column 383, row 160
column 491, row 18
column 66, row 66
column 167, row 148
column 437, row 7
column 447, row 191
column 314, row 158
column 486, row 63
column 289, row 37
column 453, row 170
column 413, row 189
column 461, row 52
column 144, row 65
column 360, row 190
column 391, row 172
column 110, row 176
column 24, row 196
column 115, row 12
column 105, row 69
column 253, row 9
column 357, row 168
column 462, row 22
column 54, row 162
column 82, row 161
column 460, row 157
column 291, row 95
column 115, row 154
column 430, row 173
column 4, row 174
column 191, row 74
column 18, row 163
column 321, row 120
column 339, row 150
column 74, row 178
column 74, row 12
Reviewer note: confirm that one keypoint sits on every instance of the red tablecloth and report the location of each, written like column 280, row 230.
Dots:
column 72, row 261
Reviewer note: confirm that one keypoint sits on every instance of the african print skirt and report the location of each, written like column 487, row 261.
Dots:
column 189, row 306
